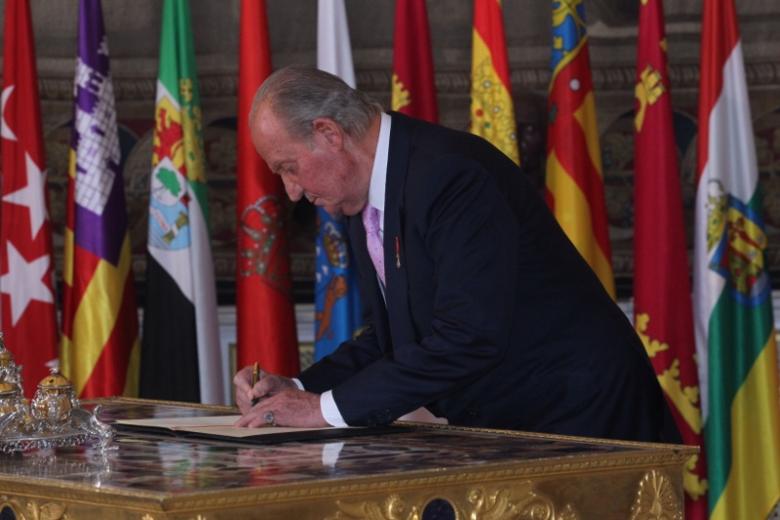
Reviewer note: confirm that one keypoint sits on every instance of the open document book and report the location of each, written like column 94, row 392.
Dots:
column 220, row 427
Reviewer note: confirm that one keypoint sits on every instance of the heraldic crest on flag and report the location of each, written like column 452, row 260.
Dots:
column 492, row 109
column 569, row 31
column 491, row 106
column 575, row 186
column 333, row 273
column 173, row 167
column 262, row 223
column 95, row 132
column 647, row 93
column 735, row 241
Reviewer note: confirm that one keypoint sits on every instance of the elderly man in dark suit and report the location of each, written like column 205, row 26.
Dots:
column 481, row 310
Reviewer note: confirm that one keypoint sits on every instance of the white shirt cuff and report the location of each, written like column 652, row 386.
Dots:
column 298, row 383
column 330, row 411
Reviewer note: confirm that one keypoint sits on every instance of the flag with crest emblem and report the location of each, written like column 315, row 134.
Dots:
column 264, row 302
column 338, row 314
column 733, row 321
column 492, row 109
column 575, row 186
column 181, row 358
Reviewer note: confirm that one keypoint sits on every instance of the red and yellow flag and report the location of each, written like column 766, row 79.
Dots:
column 663, row 311
column 264, row 303
column 492, row 110
column 413, row 89
column 575, row 187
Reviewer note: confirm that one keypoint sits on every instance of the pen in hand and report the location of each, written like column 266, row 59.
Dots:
column 255, row 378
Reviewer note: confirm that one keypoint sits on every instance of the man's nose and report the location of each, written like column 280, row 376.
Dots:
column 294, row 191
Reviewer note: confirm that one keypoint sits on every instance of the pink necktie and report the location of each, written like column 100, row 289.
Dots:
column 374, row 240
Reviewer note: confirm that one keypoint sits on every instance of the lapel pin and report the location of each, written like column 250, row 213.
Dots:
column 397, row 252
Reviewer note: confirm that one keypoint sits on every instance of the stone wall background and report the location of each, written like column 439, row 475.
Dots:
column 133, row 28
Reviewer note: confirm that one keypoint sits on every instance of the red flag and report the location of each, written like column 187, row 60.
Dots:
column 663, row 312
column 26, row 268
column 265, row 312
column 414, row 90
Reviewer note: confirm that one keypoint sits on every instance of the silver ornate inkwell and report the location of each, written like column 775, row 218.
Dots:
column 53, row 419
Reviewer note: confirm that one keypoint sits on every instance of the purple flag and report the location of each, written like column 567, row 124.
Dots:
column 100, row 323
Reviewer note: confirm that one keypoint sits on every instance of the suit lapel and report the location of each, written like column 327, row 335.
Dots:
column 396, row 289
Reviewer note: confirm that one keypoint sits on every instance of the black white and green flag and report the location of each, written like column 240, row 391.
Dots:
column 180, row 354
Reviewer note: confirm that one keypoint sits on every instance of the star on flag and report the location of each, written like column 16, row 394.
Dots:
column 31, row 195
column 27, row 290
column 23, row 282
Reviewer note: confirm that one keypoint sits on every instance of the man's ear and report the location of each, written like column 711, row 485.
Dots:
column 328, row 132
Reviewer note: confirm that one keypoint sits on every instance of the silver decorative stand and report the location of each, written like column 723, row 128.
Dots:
column 53, row 419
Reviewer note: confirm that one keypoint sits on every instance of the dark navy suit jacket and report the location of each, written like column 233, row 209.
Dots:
column 492, row 318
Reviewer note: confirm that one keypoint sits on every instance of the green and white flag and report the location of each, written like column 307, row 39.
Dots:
column 180, row 355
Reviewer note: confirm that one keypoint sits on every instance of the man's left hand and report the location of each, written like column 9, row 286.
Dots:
column 286, row 408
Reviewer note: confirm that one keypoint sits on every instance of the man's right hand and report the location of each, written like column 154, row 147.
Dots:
column 267, row 385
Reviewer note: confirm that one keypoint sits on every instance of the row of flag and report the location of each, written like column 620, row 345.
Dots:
column 100, row 347
column 714, row 354
column 727, row 404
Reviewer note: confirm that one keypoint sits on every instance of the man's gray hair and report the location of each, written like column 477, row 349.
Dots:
column 298, row 95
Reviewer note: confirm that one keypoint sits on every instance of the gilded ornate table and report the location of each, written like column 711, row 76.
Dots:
column 420, row 471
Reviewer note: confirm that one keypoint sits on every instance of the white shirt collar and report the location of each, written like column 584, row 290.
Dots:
column 376, row 189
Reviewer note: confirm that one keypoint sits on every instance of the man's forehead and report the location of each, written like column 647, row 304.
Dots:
column 266, row 118
column 275, row 126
